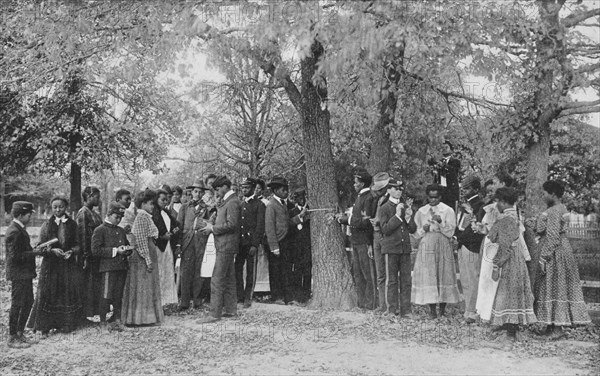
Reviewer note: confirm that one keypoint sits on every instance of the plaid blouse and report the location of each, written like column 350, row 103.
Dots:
column 144, row 228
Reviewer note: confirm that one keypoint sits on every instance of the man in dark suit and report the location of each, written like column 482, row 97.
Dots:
column 252, row 233
column 226, row 230
column 446, row 173
column 20, row 270
column 279, row 226
column 469, row 243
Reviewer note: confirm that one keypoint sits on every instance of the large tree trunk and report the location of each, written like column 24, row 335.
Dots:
column 333, row 286
column 75, row 180
column 381, row 155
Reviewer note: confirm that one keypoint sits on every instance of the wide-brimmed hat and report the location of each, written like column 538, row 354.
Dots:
column 380, row 181
column 278, row 181
column 197, row 184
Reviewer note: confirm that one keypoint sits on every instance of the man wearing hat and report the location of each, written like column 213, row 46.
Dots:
column 226, row 230
column 252, row 232
column 379, row 190
column 20, row 270
column 110, row 245
column 192, row 219
column 469, row 243
column 396, row 224
column 279, row 228
column 362, row 238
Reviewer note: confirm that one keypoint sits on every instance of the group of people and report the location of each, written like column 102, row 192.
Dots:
column 502, row 283
column 128, row 260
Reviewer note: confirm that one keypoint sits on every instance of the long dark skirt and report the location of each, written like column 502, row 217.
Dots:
column 59, row 300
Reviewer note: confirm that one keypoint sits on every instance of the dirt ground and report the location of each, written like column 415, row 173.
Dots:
column 283, row 340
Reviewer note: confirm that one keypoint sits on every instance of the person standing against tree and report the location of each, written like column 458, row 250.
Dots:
column 361, row 238
column 279, row 228
column 252, row 233
column 226, row 230
column 87, row 220
column 446, row 173
column 303, row 257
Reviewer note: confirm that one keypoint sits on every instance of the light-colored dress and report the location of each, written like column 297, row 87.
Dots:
column 141, row 297
column 434, row 276
column 166, row 272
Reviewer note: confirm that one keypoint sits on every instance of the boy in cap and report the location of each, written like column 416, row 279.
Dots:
column 396, row 224
column 20, row 270
column 110, row 245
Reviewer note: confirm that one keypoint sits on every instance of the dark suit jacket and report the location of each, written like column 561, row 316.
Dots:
column 278, row 224
column 361, row 228
column 395, row 231
column 106, row 237
column 20, row 258
column 162, row 229
column 186, row 218
column 469, row 238
column 252, row 223
column 227, row 225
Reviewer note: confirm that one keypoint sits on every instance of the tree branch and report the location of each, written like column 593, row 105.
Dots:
column 576, row 18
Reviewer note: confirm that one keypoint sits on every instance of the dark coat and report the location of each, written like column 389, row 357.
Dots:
column 469, row 238
column 361, row 228
column 450, row 170
column 186, row 219
column 106, row 237
column 227, row 225
column 252, row 223
column 20, row 258
column 159, row 222
column 395, row 231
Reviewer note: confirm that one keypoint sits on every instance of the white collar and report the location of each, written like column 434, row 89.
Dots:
column 19, row 222
column 62, row 219
column 247, row 199
column 394, row 200
column 363, row 191
column 475, row 195
column 228, row 194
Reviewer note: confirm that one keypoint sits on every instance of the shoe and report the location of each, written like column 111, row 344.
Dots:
column 112, row 319
column 279, row 302
column 408, row 316
column 14, row 342
column 230, row 315
column 470, row 320
column 29, row 341
column 116, row 327
column 207, row 320
column 181, row 309
column 247, row 304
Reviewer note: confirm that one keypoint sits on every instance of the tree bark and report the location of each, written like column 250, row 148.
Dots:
column 381, row 155
column 333, row 286
column 75, row 180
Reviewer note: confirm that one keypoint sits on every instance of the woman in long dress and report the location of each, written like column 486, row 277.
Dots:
column 59, row 300
column 87, row 220
column 513, row 303
column 141, row 297
column 434, row 277
column 167, row 232
column 558, row 295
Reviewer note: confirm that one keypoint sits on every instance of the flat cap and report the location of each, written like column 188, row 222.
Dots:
column 249, row 181
column 278, row 181
column 23, row 207
column 116, row 208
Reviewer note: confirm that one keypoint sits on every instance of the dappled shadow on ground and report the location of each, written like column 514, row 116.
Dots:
column 272, row 339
